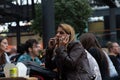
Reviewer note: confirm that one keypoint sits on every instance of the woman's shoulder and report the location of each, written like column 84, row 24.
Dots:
column 74, row 43
column 7, row 58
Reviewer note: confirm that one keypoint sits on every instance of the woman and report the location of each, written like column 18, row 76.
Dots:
column 91, row 44
column 3, row 47
column 3, row 56
column 68, row 56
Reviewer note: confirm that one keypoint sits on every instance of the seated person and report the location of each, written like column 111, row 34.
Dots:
column 3, row 56
column 32, row 52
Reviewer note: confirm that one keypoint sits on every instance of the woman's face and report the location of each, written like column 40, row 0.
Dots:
column 4, row 45
column 61, row 33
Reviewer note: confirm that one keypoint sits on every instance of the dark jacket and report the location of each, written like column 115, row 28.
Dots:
column 115, row 63
column 95, row 52
column 71, row 62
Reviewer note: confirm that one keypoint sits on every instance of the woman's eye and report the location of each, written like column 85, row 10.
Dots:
column 62, row 32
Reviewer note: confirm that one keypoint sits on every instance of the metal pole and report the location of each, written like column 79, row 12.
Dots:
column 48, row 21
column 18, row 32
column 33, row 9
column 113, row 24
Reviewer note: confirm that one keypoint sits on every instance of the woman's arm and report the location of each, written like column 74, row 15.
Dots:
column 69, row 57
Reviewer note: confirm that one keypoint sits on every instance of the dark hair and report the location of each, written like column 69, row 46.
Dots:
column 29, row 44
column 89, row 41
column 2, row 56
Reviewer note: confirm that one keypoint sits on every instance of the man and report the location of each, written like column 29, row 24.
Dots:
column 114, row 51
column 32, row 52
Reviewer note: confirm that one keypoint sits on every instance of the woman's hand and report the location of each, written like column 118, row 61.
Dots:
column 52, row 42
column 63, row 40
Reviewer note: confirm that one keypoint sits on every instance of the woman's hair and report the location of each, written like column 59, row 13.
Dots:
column 88, row 41
column 2, row 55
column 69, row 30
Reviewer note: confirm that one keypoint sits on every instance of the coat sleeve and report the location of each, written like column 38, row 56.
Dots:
column 69, row 57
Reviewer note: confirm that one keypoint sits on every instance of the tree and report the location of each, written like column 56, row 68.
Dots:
column 37, row 21
column 73, row 12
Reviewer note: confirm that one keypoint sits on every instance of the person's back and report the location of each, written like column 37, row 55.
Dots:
column 91, row 44
column 101, row 62
column 94, row 66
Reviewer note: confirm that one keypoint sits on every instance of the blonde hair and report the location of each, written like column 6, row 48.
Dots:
column 69, row 30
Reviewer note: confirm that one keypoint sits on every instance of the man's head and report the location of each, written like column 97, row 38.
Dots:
column 113, row 47
column 32, row 47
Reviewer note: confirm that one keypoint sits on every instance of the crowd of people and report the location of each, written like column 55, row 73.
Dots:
column 69, row 58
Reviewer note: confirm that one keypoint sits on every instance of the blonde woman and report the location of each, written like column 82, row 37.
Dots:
column 67, row 55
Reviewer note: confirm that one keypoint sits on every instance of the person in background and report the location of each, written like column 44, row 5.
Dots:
column 12, row 53
column 91, row 44
column 4, row 59
column 67, row 55
column 3, row 47
column 32, row 52
column 114, row 50
column 20, row 51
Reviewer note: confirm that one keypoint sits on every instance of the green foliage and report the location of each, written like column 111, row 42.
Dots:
column 73, row 12
column 37, row 21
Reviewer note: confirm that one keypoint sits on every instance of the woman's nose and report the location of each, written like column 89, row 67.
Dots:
column 57, row 34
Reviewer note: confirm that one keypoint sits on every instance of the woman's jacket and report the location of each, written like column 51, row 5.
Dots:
column 71, row 62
